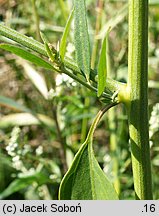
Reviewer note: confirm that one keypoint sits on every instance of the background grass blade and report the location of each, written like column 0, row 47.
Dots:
column 63, row 5
column 23, row 119
column 36, row 78
column 113, row 22
column 82, row 44
column 26, row 55
column 8, row 102
column 102, row 68
column 65, row 35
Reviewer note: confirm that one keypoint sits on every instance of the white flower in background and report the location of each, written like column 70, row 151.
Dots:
column 26, row 149
column 51, row 94
column 60, row 78
column 16, row 158
column 39, row 150
column 63, row 78
column 12, row 146
column 18, row 165
column 70, row 49
column 107, row 160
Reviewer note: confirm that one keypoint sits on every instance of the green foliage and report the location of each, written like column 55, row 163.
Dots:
column 26, row 55
column 85, row 180
column 63, row 42
column 82, row 43
column 22, row 183
column 102, row 68
column 5, row 101
column 22, row 39
column 43, row 113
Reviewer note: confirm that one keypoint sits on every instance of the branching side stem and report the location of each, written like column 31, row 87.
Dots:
column 38, row 47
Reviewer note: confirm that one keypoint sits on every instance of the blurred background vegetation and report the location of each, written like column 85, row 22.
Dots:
column 35, row 155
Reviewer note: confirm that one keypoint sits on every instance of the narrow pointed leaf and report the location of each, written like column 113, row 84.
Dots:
column 26, row 55
column 82, row 44
column 29, row 43
column 85, row 180
column 102, row 69
column 65, row 35
column 49, row 52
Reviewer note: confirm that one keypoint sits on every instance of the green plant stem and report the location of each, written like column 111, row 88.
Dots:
column 138, row 107
column 85, row 120
column 98, row 118
column 22, row 39
column 111, row 85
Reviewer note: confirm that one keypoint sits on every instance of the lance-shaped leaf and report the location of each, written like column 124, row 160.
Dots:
column 85, row 180
column 65, row 35
column 26, row 55
column 82, row 44
column 102, row 68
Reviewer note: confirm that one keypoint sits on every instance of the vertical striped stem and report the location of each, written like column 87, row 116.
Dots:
column 138, row 106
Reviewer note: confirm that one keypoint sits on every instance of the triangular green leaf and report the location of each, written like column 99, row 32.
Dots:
column 85, row 179
column 26, row 55
column 64, row 36
column 82, row 44
column 102, row 68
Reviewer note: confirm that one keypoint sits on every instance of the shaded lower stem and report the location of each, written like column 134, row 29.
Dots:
column 138, row 106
